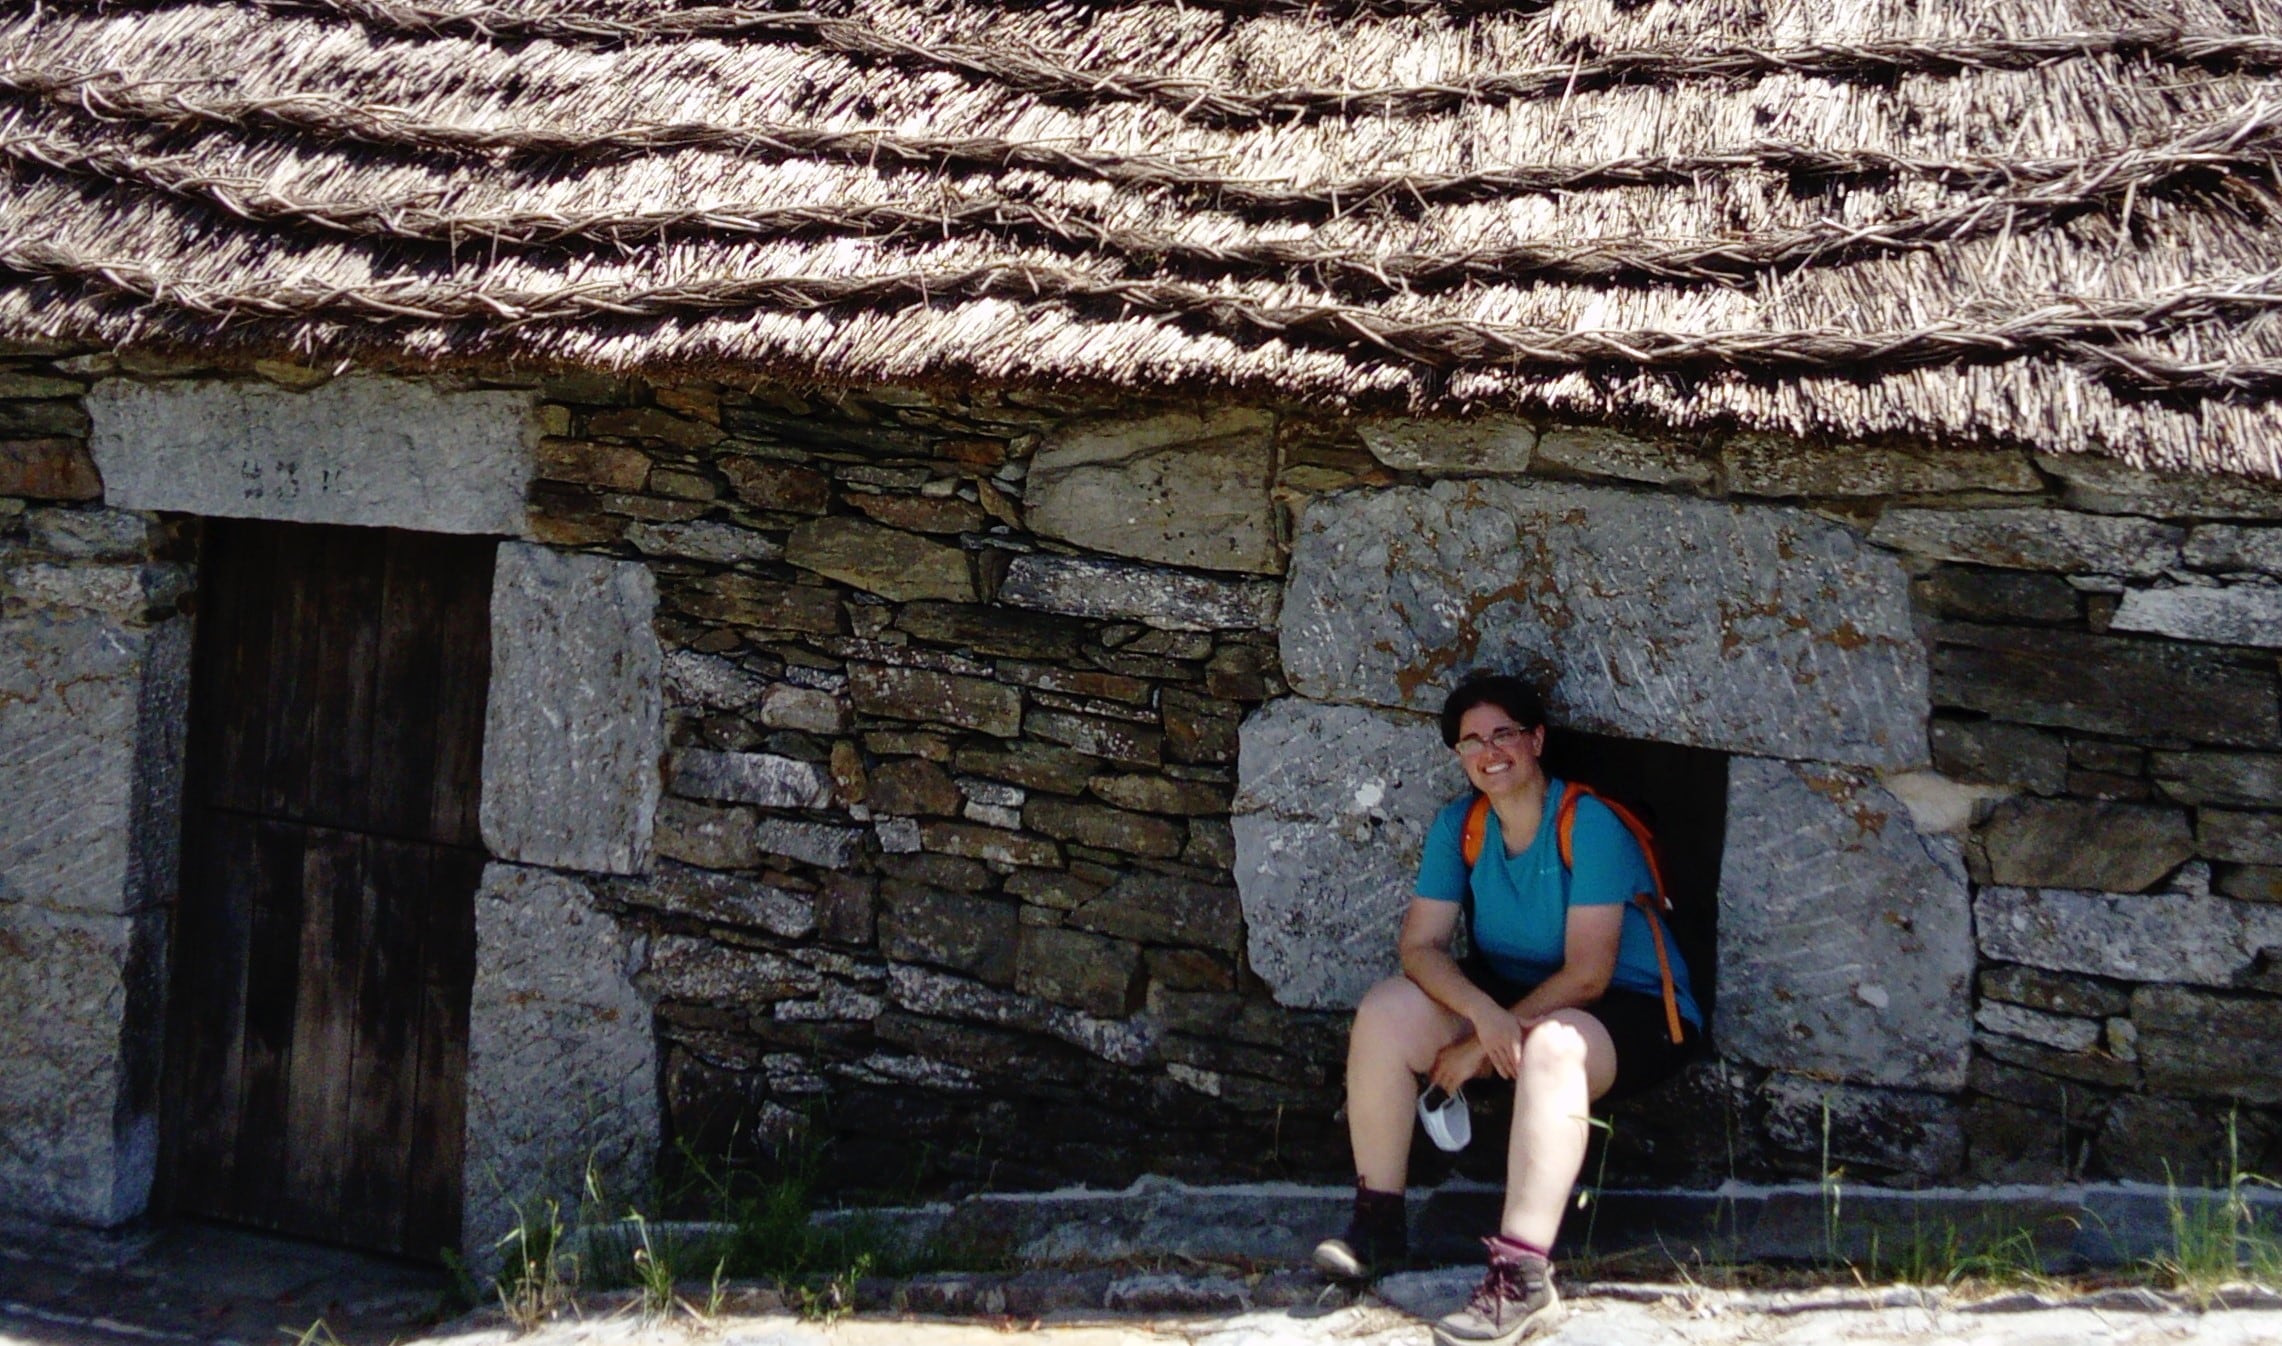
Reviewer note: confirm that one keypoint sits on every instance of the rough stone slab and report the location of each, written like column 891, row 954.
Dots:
column 2074, row 843
column 1090, row 973
column 2061, row 1032
column 1161, row 909
column 1332, row 805
column 2214, row 1046
column 2118, row 685
column 2239, row 614
column 93, row 711
column 707, row 972
column 2252, row 779
column 2243, row 838
column 576, row 720
column 978, row 842
column 78, row 1067
column 1601, row 452
column 562, row 1061
column 1126, row 1042
column 700, row 834
column 1777, row 465
column 2161, row 937
column 2107, row 486
column 1495, row 445
column 821, row 844
column 89, row 534
column 722, row 899
column 763, row 778
column 704, row 540
column 1114, row 739
column 708, row 680
column 1170, row 600
column 1750, row 628
column 2038, row 989
column 936, row 698
column 904, row 567
column 1845, row 938
column 1992, row 750
column 1179, row 488
column 2232, row 547
column 48, row 468
column 376, row 452
column 810, row 709
column 974, row 935
column 1841, row 1125
column 1982, row 594
column 1106, row 828
column 2034, row 539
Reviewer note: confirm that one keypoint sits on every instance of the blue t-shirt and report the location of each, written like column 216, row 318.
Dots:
column 1521, row 902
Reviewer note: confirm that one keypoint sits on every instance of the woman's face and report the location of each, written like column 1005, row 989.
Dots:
column 1498, row 754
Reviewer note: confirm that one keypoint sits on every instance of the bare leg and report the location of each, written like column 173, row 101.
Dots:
column 1398, row 1029
column 1566, row 1062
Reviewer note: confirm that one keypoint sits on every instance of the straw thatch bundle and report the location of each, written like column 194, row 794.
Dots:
column 2000, row 221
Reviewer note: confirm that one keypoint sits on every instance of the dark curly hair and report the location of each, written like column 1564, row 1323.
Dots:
column 1508, row 693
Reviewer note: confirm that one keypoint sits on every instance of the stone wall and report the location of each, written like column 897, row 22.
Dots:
column 1041, row 775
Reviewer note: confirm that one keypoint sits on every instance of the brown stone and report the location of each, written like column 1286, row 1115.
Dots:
column 1103, row 738
column 699, row 400
column 1977, row 595
column 1110, row 829
column 845, row 909
column 682, row 485
column 1161, row 909
column 2163, row 1140
column 1034, row 766
column 955, row 873
column 1079, row 682
column 48, row 469
column 885, row 561
column 2107, row 684
column 778, row 486
column 713, row 838
column 651, row 508
column 851, row 784
column 1991, row 750
column 1190, row 970
column 2239, row 838
column 2007, row 1143
column 1086, row 972
column 2244, row 779
column 2095, row 1068
column 967, row 934
column 921, row 513
column 908, row 743
column 1158, row 794
column 1052, row 889
column 653, row 423
column 2250, row 883
column 937, row 698
column 2067, row 843
column 2054, row 991
column 1009, row 632
column 913, row 787
column 989, row 843
column 2209, row 1044
column 1199, row 729
column 1775, row 465
column 745, row 601
column 1212, row 844
column 588, row 463
column 41, row 418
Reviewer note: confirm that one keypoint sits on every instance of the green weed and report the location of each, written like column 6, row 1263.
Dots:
column 2220, row 1238
column 537, row 1279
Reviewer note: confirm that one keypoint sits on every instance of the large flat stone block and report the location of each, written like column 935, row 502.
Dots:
column 562, row 1061
column 376, row 452
column 1183, row 488
column 1331, row 807
column 1845, row 938
column 92, row 715
column 1751, row 628
column 2156, row 937
column 78, row 1115
column 575, row 724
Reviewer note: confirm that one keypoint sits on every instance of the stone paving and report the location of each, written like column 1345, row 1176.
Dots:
column 205, row 1286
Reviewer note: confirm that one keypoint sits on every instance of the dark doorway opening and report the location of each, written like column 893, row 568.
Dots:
column 1681, row 793
column 324, row 944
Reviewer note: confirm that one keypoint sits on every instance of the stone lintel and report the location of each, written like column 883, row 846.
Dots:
column 363, row 450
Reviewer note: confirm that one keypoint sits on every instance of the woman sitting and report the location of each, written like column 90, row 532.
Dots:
column 1562, row 995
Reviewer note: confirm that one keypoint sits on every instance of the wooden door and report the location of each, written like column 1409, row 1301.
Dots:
column 324, row 946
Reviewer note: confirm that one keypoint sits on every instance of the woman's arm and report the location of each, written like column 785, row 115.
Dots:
column 1426, row 960
column 1588, row 961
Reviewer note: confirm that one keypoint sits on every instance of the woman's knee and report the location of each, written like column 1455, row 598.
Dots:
column 1396, row 1013
column 1568, row 1045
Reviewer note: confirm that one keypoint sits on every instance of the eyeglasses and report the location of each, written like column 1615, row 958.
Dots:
column 1504, row 739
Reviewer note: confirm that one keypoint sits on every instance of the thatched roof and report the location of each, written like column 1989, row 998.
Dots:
column 2033, row 221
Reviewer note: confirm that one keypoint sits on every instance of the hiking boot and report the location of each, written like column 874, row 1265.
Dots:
column 1377, row 1238
column 1515, row 1300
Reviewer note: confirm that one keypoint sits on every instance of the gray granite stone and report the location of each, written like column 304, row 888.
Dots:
column 1180, row 488
column 359, row 450
column 1599, row 451
column 937, row 698
column 78, row 1123
column 1992, row 750
column 809, row 709
column 762, row 778
column 2107, row 486
column 1493, row 445
column 2061, row 1032
column 1126, row 1042
column 2234, row 547
column 701, row 834
column 2159, row 937
column 2238, row 614
column 824, row 845
column 2120, row 685
column 2034, row 539
column 1845, row 938
column 1171, row 600
column 1750, row 628
column 894, row 564
column 704, row 540
column 710, row 681
column 1332, row 804
column 2251, row 779
column 1777, row 465
column 562, row 1060
column 722, row 899
column 575, row 724
column 1841, row 1125
column 2211, row 1046
column 93, row 710
column 708, row 972
column 2075, row 843
column 89, row 534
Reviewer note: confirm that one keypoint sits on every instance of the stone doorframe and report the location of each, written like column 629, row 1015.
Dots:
column 561, row 1053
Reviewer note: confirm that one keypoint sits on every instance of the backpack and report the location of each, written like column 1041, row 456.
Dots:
column 1655, row 906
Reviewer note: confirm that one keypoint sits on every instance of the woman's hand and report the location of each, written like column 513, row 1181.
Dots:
column 1457, row 1063
column 1498, row 1034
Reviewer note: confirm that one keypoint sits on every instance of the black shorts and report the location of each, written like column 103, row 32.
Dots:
column 1646, row 1056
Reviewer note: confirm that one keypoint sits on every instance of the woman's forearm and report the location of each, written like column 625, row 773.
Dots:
column 1571, row 987
column 1435, row 972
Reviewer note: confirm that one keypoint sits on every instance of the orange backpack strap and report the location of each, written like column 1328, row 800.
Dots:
column 1477, row 827
column 1652, row 905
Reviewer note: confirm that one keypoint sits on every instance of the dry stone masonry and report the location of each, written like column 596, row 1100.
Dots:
column 1016, row 788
